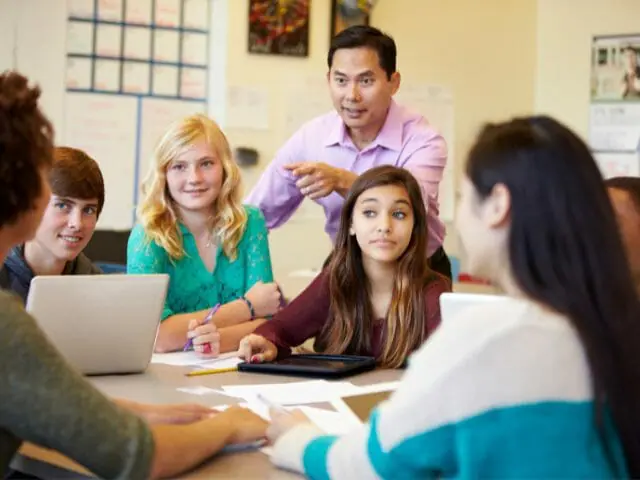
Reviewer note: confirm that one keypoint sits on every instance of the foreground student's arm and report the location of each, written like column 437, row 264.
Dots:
column 46, row 402
column 416, row 419
column 299, row 321
column 182, row 447
column 234, row 317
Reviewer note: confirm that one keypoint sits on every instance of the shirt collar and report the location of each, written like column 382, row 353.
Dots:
column 389, row 136
column 183, row 230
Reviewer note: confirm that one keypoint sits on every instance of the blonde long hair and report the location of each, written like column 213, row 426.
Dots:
column 157, row 212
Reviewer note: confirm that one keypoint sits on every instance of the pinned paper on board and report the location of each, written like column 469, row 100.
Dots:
column 195, row 14
column 193, row 83
column 167, row 13
column 165, row 80
column 138, row 11
column 78, row 73
column 127, row 55
column 166, row 47
column 615, row 164
column 81, row 8
column 137, row 43
column 110, row 10
column 157, row 115
column 108, row 40
column 135, row 77
column 104, row 126
column 107, row 75
column 194, row 48
column 79, row 37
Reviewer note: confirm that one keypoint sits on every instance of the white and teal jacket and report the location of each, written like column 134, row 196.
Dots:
column 502, row 390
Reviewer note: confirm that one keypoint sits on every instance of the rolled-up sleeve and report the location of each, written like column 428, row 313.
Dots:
column 46, row 402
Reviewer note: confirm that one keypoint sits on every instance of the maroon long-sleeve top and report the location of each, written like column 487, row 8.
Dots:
column 307, row 314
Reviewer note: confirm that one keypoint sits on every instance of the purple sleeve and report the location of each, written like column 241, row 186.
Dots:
column 276, row 194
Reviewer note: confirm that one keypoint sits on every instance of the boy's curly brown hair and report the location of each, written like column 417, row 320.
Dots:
column 26, row 146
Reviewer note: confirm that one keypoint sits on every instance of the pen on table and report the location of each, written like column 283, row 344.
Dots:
column 211, row 371
column 207, row 319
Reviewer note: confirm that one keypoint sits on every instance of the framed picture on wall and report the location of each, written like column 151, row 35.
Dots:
column 279, row 27
column 346, row 13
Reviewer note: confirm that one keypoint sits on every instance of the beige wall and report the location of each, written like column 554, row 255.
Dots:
column 565, row 29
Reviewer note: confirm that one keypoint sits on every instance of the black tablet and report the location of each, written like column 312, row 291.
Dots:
column 313, row 365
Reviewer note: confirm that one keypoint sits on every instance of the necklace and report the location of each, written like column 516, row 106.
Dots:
column 210, row 241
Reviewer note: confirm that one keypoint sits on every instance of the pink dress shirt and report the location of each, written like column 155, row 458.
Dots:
column 406, row 140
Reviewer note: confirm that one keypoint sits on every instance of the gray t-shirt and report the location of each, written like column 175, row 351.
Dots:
column 46, row 402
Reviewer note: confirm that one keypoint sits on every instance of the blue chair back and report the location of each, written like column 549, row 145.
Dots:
column 455, row 268
column 112, row 267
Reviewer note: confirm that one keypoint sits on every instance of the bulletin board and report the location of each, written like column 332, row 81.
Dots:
column 133, row 67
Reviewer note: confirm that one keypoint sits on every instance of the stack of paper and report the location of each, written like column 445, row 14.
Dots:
column 192, row 359
column 294, row 393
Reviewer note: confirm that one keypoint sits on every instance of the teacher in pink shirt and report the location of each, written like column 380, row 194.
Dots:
column 367, row 129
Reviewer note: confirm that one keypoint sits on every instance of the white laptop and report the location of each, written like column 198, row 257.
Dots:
column 102, row 324
column 451, row 304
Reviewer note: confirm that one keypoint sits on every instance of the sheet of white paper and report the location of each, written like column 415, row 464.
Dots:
column 615, row 127
column 194, row 48
column 191, row 358
column 379, row 387
column 110, row 10
column 135, row 77
column 295, row 393
column 195, row 14
column 138, row 12
column 615, row 164
column 165, row 80
column 168, row 13
column 199, row 390
column 330, row 421
column 137, row 43
column 79, row 73
column 81, row 8
column 166, row 46
column 108, row 39
column 107, row 75
column 193, row 83
column 79, row 37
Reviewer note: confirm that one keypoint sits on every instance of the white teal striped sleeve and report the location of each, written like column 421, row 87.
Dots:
column 484, row 397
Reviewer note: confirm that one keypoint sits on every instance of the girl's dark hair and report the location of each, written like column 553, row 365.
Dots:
column 566, row 253
column 351, row 314
column 26, row 145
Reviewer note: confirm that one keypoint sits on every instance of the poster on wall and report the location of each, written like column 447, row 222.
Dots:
column 347, row 13
column 279, row 27
column 614, row 120
column 615, row 68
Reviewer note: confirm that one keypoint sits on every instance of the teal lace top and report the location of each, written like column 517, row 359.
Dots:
column 191, row 286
